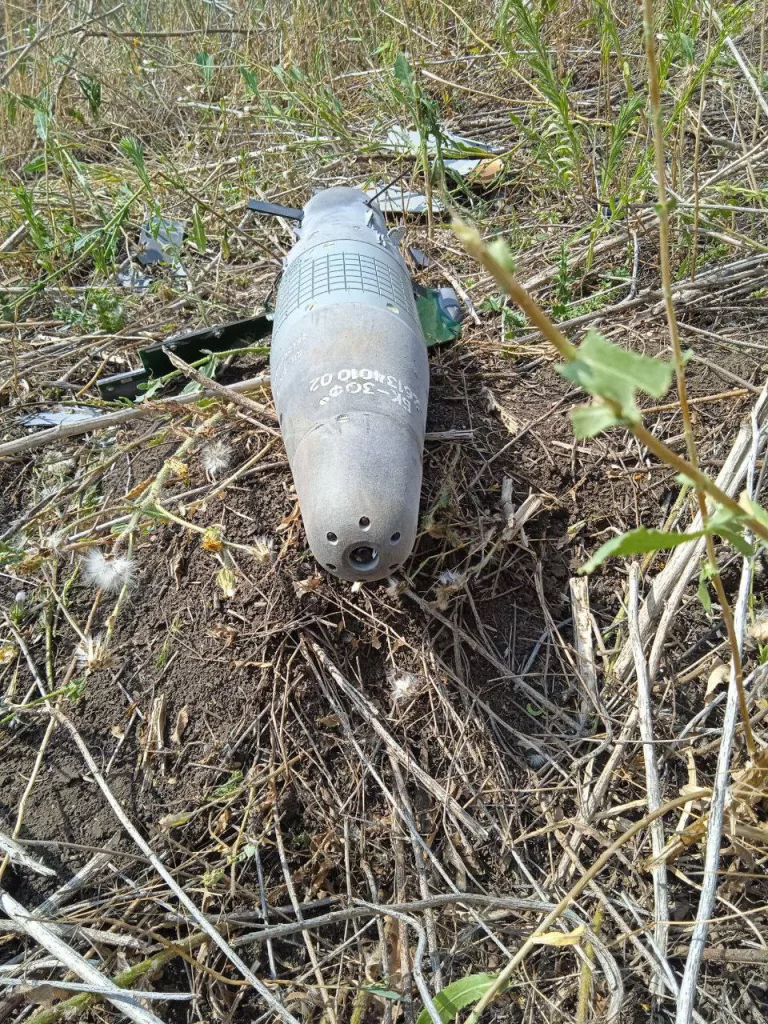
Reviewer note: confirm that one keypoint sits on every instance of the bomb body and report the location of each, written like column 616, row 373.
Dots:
column 350, row 379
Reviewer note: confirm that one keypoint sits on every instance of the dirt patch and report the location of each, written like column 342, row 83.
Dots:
column 179, row 640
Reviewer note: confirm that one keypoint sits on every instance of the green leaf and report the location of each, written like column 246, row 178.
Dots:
column 91, row 89
column 36, row 165
column 251, row 81
column 588, row 420
column 403, row 71
column 40, row 119
column 151, row 388
column 383, row 993
column 639, row 542
column 133, row 151
column 204, row 61
column 730, row 527
column 738, row 540
column 197, row 230
column 614, row 373
column 457, row 995
column 754, row 509
column 702, row 593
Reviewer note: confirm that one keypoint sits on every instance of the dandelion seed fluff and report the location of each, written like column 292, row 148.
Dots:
column 402, row 684
column 264, row 549
column 109, row 574
column 215, row 458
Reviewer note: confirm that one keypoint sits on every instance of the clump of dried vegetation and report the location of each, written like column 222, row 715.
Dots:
column 235, row 789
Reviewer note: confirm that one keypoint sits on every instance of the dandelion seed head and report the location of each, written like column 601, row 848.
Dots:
column 54, row 542
column 448, row 583
column 215, row 457
column 759, row 628
column 109, row 574
column 264, row 549
column 93, row 654
column 449, row 578
column 395, row 587
column 403, row 684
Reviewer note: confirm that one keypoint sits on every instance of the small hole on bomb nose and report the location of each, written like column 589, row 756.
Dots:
column 395, row 537
column 364, row 557
column 331, row 536
column 365, row 522
column 330, row 565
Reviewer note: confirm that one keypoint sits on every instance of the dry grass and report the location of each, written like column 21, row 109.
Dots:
column 275, row 795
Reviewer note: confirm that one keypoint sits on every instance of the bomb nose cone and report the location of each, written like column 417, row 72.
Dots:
column 354, row 558
column 349, row 558
column 358, row 480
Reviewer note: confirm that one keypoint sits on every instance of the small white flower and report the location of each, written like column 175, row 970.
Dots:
column 402, row 684
column 215, row 458
column 109, row 574
column 21, row 596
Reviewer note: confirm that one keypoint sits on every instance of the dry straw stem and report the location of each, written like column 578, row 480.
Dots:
column 223, row 392
column 10, row 848
column 689, row 986
column 275, row 1006
column 53, row 29
column 116, row 419
column 264, row 935
column 665, row 591
column 49, row 938
column 677, row 351
column 652, row 784
column 124, row 980
column 573, row 894
column 473, row 243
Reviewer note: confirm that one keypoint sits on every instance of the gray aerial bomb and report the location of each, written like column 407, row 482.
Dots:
column 350, row 379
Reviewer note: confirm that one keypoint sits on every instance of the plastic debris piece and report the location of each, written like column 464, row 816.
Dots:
column 420, row 259
column 481, row 171
column 462, row 167
column 440, row 314
column 449, row 304
column 160, row 240
column 406, row 140
column 397, row 199
column 62, row 414
column 129, row 276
